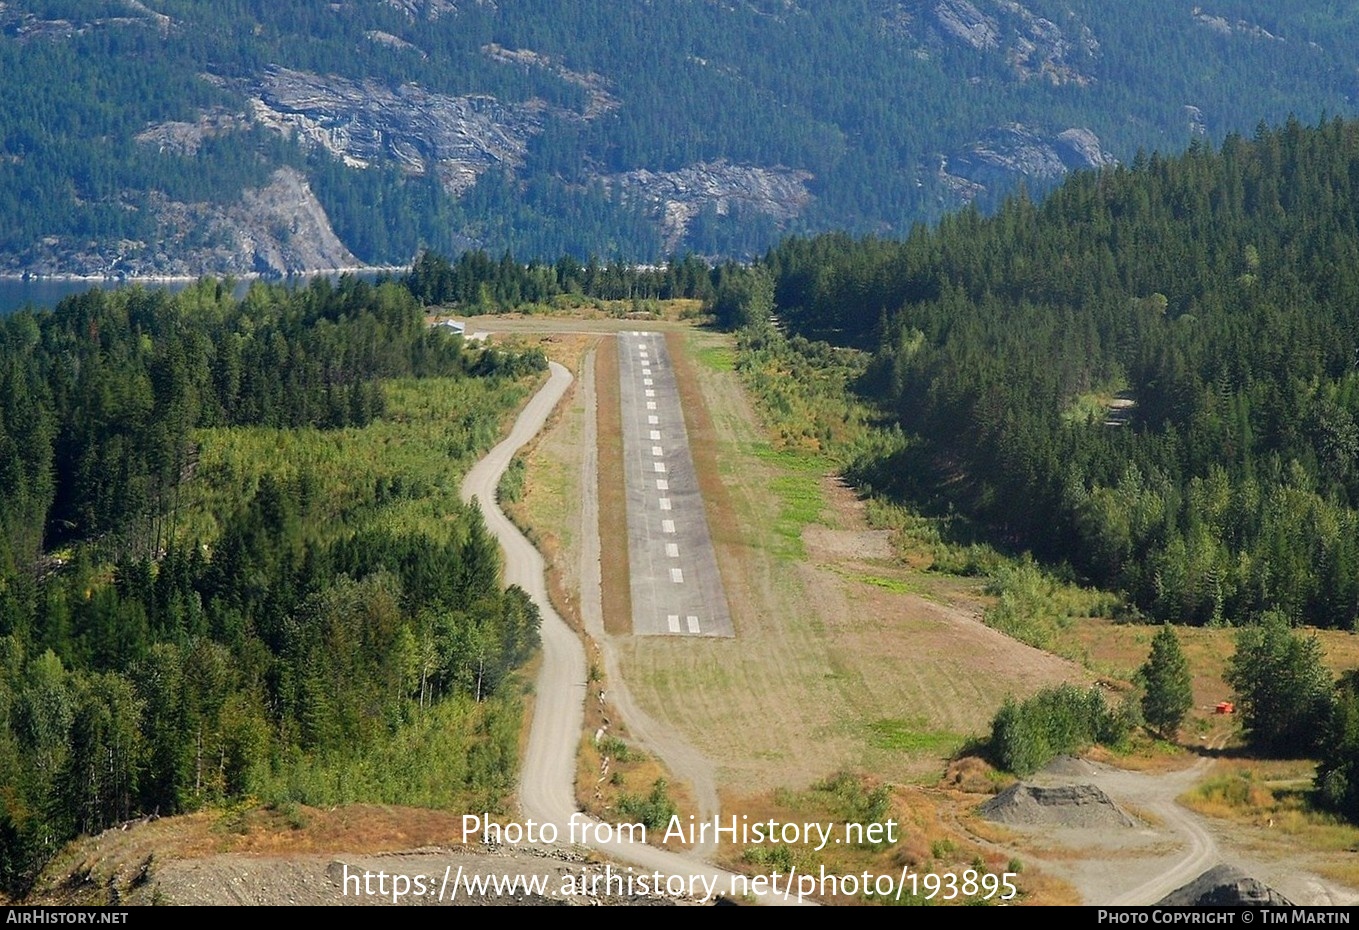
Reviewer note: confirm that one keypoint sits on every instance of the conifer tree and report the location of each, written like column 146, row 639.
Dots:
column 1169, row 693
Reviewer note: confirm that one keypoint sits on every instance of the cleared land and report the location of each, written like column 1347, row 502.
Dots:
column 846, row 658
column 843, row 658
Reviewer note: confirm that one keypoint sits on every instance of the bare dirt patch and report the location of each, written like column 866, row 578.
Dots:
column 258, row 855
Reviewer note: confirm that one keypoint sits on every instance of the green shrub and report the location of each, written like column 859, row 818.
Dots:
column 655, row 810
column 1026, row 736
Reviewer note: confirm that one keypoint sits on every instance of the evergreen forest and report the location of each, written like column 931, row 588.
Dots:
column 233, row 563
column 875, row 101
column 1151, row 377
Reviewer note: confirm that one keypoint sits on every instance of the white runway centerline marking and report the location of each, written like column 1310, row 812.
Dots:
column 654, row 421
column 665, row 503
column 646, row 382
column 667, row 526
column 693, row 623
column 672, row 550
column 656, row 450
column 659, row 466
column 673, row 620
column 662, row 484
column 650, row 392
column 677, row 575
column 646, row 371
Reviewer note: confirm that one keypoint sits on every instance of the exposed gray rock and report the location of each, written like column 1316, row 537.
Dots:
column 363, row 123
column 676, row 197
column 1007, row 151
column 596, row 85
column 285, row 230
column 426, row 9
column 277, row 230
column 1080, row 148
column 184, row 138
column 26, row 26
column 967, row 24
column 1221, row 26
column 1224, row 886
column 1070, row 806
column 1030, row 45
column 391, row 41
column 1195, row 117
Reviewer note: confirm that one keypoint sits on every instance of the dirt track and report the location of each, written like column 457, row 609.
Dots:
column 548, row 768
column 1135, row 866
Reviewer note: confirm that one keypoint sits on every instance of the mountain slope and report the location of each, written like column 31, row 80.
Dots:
column 620, row 128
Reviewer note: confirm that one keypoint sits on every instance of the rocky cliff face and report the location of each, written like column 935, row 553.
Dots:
column 1031, row 46
column 1010, row 152
column 674, row 198
column 365, row 123
column 277, row 230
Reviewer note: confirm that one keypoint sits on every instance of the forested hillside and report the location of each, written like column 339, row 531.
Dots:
column 171, row 136
column 1152, row 376
column 233, row 562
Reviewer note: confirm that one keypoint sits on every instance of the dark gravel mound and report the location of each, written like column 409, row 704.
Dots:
column 1069, row 806
column 1224, row 885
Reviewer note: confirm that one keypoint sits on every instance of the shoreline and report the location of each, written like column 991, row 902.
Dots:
column 95, row 279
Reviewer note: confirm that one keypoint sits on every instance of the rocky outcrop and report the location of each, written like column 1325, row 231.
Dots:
column 596, row 86
column 391, row 41
column 1031, row 46
column 1011, row 152
column 284, row 230
column 277, row 230
column 184, row 138
column 1224, row 886
column 365, row 123
column 426, row 9
column 964, row 23
column 25, row 26
column 1240, row 27
column 1195, row 118
column 674, row 198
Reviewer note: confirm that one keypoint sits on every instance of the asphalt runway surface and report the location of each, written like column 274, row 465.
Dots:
column 676, row 587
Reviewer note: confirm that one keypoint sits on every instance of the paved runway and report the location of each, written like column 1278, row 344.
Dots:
column 676, row 587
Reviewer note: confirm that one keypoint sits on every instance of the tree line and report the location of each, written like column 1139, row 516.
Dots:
column 1150, row 376
column 145, row 669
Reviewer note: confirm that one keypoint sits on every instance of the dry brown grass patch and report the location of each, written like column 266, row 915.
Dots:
column 616, row 592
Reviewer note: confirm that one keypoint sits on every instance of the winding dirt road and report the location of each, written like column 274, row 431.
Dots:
column 549, row 766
